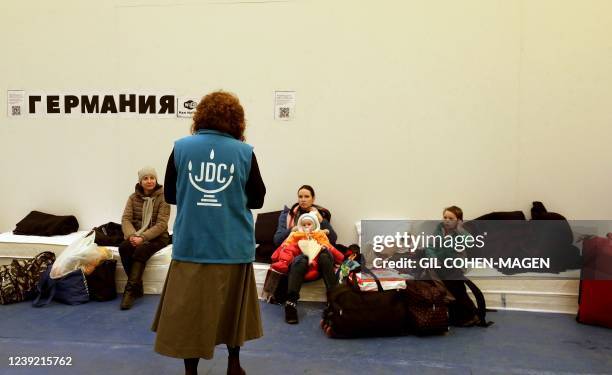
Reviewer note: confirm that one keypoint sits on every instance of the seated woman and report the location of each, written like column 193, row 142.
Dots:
column 299, row 267
column 305, row 204
column 145, row 229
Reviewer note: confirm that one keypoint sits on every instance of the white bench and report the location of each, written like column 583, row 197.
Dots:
column 22, row 247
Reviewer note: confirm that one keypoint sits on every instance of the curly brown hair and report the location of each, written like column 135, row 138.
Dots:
column 220, row 111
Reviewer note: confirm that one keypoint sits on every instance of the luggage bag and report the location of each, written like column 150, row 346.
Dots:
column 595, row 296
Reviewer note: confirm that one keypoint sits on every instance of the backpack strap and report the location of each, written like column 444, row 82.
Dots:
column 480, row 301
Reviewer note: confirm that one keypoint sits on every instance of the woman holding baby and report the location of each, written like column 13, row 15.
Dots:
column 305, row 240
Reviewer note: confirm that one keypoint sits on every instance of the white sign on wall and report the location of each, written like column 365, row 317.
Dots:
column 134, row 103
column 284, row 105
column 15, row 103
column 186, row 106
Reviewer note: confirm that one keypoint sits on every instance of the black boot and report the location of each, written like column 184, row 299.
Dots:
column 291, row 315
column 139, row 290
column 127, row 265
column 133, row 288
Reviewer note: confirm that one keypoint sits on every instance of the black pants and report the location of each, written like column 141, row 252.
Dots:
column 298, row 270
column 140, row 253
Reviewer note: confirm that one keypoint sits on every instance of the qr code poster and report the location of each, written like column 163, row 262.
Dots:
column 16, row 103
column 284, row 105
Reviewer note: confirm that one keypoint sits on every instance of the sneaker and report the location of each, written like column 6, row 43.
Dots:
column 291, row 315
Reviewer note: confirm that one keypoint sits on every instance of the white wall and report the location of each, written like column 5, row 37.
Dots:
column 403, row 107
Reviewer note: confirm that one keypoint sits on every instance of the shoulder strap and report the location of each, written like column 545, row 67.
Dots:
column 480, row 301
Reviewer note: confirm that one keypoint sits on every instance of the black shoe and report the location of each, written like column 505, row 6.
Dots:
column 291, row 315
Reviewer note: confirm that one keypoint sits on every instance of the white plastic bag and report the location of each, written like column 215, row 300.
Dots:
column 82, row 253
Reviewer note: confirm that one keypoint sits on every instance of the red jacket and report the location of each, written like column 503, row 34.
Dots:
column 283, row 257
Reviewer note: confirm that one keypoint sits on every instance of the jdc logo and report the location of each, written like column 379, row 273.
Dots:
column 209, row 175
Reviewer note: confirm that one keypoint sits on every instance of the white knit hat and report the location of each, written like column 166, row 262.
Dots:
column 309, row 216
column 146, row 171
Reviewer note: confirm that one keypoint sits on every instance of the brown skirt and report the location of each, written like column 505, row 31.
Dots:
column 204, row 305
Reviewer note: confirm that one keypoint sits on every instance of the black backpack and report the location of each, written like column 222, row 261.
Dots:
column 462, row 311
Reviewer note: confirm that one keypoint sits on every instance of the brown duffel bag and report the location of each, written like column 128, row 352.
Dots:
column 427, row 306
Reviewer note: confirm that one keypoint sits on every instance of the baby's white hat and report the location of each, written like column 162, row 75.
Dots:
column 312, row 217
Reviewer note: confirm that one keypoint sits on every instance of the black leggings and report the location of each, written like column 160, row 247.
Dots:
column 298, row 270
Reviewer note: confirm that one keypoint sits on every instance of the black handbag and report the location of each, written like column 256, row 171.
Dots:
column 109, row 234
column 101, row 281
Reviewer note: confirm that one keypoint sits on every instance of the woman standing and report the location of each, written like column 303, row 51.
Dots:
column 210, row 296
column 146, row 210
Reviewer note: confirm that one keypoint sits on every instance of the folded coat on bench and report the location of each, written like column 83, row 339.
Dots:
column 42, row 224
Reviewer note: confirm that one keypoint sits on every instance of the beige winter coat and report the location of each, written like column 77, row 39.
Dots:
column 132, row 214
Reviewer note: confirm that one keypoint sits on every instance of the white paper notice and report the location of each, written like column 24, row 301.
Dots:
column 186, row 106
column 284, row 105
column 15, row 103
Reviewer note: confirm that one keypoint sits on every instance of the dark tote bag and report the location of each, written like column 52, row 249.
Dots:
column 70, row 289
column 101, row 281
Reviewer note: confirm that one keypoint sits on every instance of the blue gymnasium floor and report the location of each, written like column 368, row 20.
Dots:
column 101, row 339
